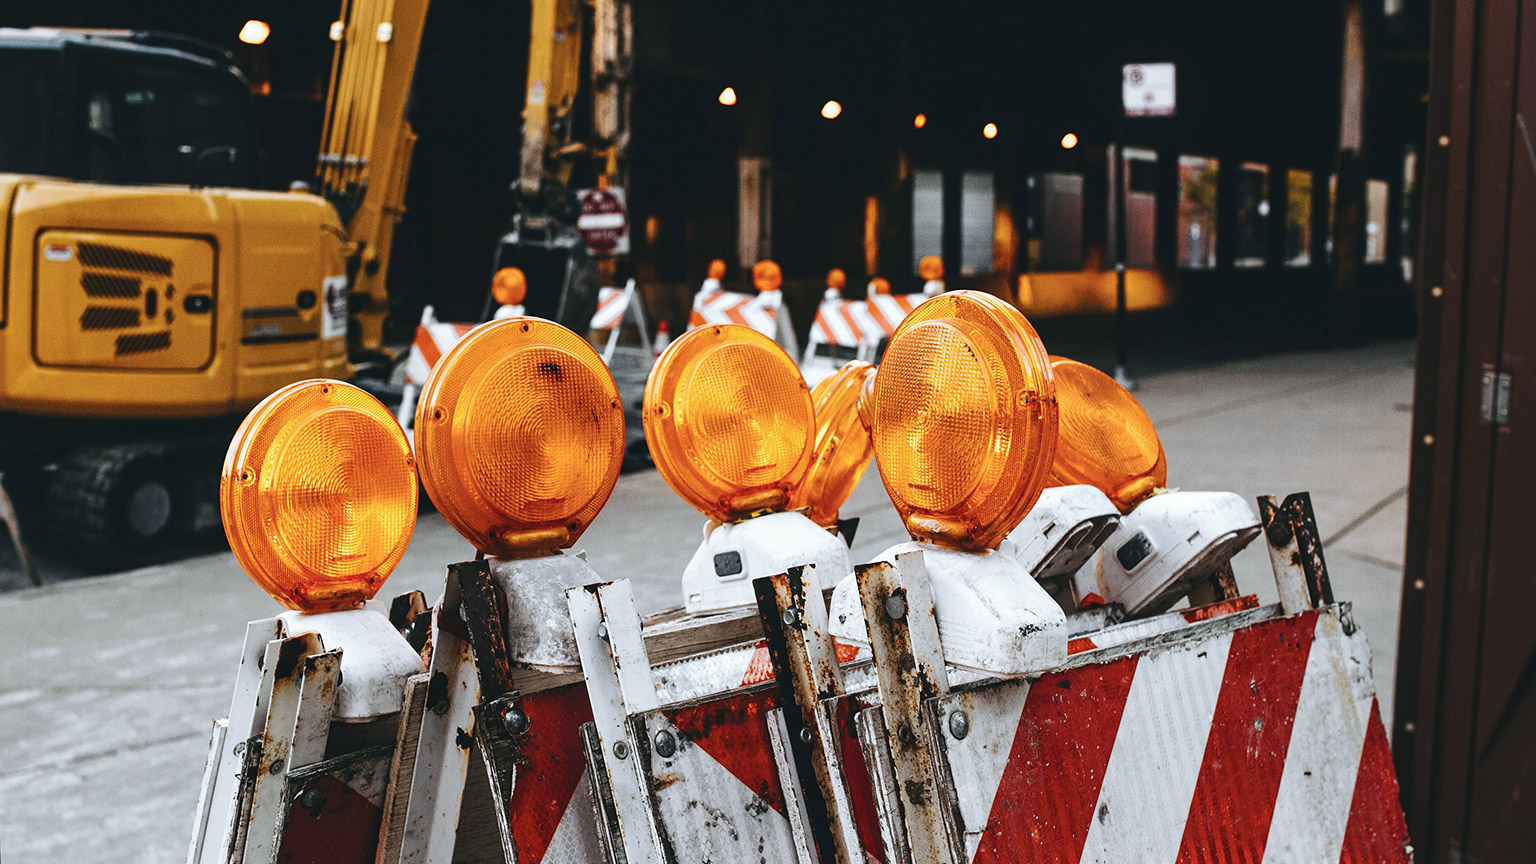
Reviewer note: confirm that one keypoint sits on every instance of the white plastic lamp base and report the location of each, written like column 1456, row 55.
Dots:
column 733, row 554
column 539, row 633
column 993, row 617
column 1166, row 545
column 375, row 659
column 1062, row 531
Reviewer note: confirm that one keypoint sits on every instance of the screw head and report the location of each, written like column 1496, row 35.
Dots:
column 621, row 749
column 276, row 768
column 959, row 724
column 791, row 616
column 312, row 798
column 904, row 732
column 666, row 745
column 602, row 631
column 805, row 734
column 896, row 606
column 515, row 720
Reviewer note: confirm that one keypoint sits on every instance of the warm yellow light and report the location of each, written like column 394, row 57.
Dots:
column 1068, row 141
column 842, row 449
column 1104, row 437
column 509, row 286
column 831, row 109
column 255, row 32
column 920, row 121
column 728, row 96
column 989, row 130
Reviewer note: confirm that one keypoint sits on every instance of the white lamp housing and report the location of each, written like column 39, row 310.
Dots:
column 1063, row 530
column 375, row 659
column 733, row 554
column 993, row 617
column 1167, row 545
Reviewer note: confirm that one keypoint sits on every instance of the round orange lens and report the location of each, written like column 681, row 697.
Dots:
column 842, row 448
column 509, row 286
column 836, row 278
column 318, row 495
column 717, row 269
column 964, row 419
column 879, row 285
column 1106, row 440
column 520, row 434
column 930, row 267
column 728, row 420
column 766, row 276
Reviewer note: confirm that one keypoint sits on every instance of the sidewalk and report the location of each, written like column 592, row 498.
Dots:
column 108, row 685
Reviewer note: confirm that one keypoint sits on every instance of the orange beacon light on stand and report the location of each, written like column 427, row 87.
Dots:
column 729, row 423
column 520, row 435
column 318, row 499
column 963, row 419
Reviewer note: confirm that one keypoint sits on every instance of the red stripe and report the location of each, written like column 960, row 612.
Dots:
column 1080, row 644
column 845, row 310
column 552, row 762
column 873, row 308
column 861, row 787
column 1221, row 607
column 1056, row 765
column 1250, row 733
column 695, row 319
column 427, row 347
column 1377, row 832
column 734, row 732
column 760, row 667
column 734, row 313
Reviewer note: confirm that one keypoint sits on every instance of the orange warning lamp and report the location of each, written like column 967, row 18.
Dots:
column 879, row 285
column 717, row 269
column 930, row 267
column 509, row 286
column 729, row 420
column 837, row 279
column 964, row 420
column 766, row 276
column 318, row 495
column 1105, row 439
column 520, row 434
column 842, row 449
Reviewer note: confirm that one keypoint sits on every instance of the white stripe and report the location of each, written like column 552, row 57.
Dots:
column 598, row 221
column 1150, row 780
column 977, row 762
column 416, row 367
column 870, row 330
column 576, row 836
column 1327, row 737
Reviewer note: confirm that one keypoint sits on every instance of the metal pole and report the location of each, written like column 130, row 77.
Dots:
column 1118, row 177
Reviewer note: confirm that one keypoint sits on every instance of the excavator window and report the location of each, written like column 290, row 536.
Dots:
column 26, row 101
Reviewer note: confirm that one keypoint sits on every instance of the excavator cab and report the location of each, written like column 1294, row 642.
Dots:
column 125, row 107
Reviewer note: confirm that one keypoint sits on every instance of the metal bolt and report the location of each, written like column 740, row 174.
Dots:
column 239, row 748
column 904, row 732
column 1436, row 291
column 312, row 798
column 621, row 749
column 896, row 606
column 515, row 720
column 666, row 745
column 1258, row 724
column 1279, row 531
column 959, row 724
column 1410, row 726
column 277, row 767
column 1445, row 140
column 805, row 734
column 602, row 631
column 1429, row 440
column 791, row 616
column 1418, row 584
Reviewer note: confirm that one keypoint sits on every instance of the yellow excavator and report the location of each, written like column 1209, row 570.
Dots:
column 150, row 295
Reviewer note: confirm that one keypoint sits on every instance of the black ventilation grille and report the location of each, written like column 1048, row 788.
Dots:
column 118, row 258
column 109, row 318
column 140, row 343
column 104, row 285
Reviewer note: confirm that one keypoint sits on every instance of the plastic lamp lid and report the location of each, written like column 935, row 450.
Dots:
column 520, row 435
column 1106, row 439
column 318, row 495
column 964, row 420
column 728, row 419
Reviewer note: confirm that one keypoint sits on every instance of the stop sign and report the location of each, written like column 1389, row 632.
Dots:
column 603, row 224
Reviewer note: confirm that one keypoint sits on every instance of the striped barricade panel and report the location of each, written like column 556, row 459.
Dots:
column 1260, row 743
column 550, row 810
column 729, row 307
column 612, row 303
column 886, row 311
column 431, row 343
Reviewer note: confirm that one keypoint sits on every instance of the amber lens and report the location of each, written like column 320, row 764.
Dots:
column 842, row 448
column 509, row 286
column 728, row 420
column 964, row 419
column 1106, row 439
column 318, row 495
column 521, row 435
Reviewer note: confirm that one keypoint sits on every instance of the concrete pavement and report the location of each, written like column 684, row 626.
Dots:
column 108, row 684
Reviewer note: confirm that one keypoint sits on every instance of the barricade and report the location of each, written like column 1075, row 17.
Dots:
column 763, row 312
column 856, row 326
column 614, row 307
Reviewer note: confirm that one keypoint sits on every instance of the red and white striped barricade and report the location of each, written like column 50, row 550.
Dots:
column 433, row 339
column 308, row 766
column 614, row 307
column 857, row 325
column 1230, row 733
column 763, row 312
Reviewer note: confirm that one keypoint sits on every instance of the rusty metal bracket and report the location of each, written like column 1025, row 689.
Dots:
column 805, row 666
column 495, row 722
column 909, row 666
column 886, row 790
column 1295, row 552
